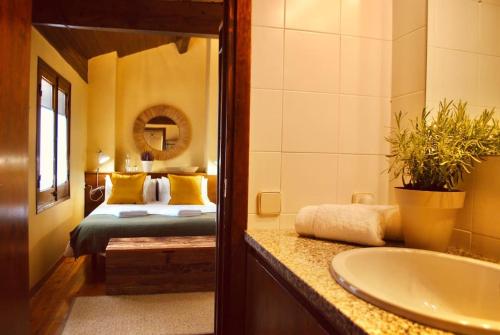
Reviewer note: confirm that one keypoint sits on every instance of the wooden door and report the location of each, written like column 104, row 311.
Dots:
column 15, row 30
column 234, row 115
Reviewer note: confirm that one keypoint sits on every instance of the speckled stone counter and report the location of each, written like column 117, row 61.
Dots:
column 304, row 263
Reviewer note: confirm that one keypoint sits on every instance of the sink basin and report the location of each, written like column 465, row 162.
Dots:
column 452, row 293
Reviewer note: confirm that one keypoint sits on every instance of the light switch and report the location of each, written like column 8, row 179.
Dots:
column 269, row 203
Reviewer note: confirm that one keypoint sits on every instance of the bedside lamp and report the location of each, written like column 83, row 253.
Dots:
column 102, row 158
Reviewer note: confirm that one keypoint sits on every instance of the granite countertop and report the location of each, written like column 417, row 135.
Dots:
column 305, row 262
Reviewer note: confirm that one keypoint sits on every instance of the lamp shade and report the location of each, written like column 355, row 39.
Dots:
column 102, row 157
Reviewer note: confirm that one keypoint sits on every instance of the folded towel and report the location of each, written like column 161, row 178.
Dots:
column 189, row 212
column 351, row 223
column 391, row 221
column 132, row 214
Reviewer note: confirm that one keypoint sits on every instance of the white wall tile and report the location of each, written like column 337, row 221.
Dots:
column 489, row 80
column 461, row 239
column 367, row 18
column 311, row 62
column 308, row 179
column 486, row 208
column 409, row 63
column 489, row 29
column 366, row 66
column 364, row 174
column 265, row 119
column 269, row 13
column 310, row 122
column 264, row 175
column 313, row 15
column 453, row 75
column 287, row 222
column 267, row 57
column 408, row 15
column 256, row 222
column 411, row 105
column 364, row 123
column 464, row 220
column 456, row 24
column 486, row 246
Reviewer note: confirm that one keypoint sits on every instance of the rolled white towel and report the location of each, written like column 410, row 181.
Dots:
column 391, row 221
column 132, row 214
column 350, row 223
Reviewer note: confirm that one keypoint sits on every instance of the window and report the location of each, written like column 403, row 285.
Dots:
column 53, row 120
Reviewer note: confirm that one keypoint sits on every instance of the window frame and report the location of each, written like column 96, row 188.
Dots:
column 57, row 193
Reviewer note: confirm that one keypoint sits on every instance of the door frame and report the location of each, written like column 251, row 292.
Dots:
column 234, row 134
column 234, row 121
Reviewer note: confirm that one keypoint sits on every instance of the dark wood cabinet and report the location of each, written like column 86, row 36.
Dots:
column 273, row 308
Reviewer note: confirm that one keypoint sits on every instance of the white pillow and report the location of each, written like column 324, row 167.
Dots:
column 148, row 189
column 204, row 191
column 164, row 190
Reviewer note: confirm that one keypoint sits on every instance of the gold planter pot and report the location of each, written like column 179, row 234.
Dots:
column 428, row 217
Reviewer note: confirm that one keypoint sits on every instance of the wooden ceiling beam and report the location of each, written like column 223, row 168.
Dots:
column 189, row 18
column 182, row 44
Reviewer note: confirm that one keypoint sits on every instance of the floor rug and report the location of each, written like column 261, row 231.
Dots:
column 159, row 314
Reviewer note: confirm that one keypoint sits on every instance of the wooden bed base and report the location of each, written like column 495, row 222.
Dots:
column 145, row 265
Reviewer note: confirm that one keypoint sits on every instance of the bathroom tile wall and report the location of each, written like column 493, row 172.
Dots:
column 464, row 63
column 408, row 62
column 320, row 107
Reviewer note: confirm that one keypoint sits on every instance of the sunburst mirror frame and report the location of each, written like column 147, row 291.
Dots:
column 175, row 115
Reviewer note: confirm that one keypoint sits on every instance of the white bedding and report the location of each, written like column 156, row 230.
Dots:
column 158, row 208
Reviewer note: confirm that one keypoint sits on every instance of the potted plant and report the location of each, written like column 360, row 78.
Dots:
column 147, row 159
column 431, row 156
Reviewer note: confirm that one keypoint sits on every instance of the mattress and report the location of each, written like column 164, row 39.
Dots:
column 92, row 235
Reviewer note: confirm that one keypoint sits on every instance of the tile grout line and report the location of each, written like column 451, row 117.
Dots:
column 282, row 111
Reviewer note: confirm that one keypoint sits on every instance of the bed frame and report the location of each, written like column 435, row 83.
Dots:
column 91, row 180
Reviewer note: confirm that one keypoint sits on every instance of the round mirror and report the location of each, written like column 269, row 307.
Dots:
column 163, row 130
column 161, row 133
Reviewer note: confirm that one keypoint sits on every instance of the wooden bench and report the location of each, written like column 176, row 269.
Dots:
column 143, row 265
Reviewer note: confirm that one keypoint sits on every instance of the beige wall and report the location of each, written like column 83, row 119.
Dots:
column 101, row 110
column 212, row 108
column 320, row 108
column 121, row 88
column 49, row 230
column 464, row 63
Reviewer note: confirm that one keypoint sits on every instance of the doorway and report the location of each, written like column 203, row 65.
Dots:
column 233, row 127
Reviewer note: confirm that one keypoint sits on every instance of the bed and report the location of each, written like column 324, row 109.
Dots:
column 91, row 236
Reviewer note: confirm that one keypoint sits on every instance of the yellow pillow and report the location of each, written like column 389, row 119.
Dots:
column 185, row 190
column 127, row 188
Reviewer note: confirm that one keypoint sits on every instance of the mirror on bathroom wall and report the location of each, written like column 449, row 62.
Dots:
column 463, row 53
column 163, row 130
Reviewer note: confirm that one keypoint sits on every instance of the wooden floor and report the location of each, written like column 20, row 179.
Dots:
column 50, row 305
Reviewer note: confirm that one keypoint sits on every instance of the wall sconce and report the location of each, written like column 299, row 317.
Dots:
column 97, row 193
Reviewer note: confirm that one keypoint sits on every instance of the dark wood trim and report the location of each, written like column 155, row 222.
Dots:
column 234, row 114
column 46, row 277
column 15, row 40
column 284, row 284
column 51, row 197
column 182, row 44
column 190, row 18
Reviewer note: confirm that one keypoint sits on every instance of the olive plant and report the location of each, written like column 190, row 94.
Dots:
column 434, row 153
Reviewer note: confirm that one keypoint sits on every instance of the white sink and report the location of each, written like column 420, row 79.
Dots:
column 453, row 293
